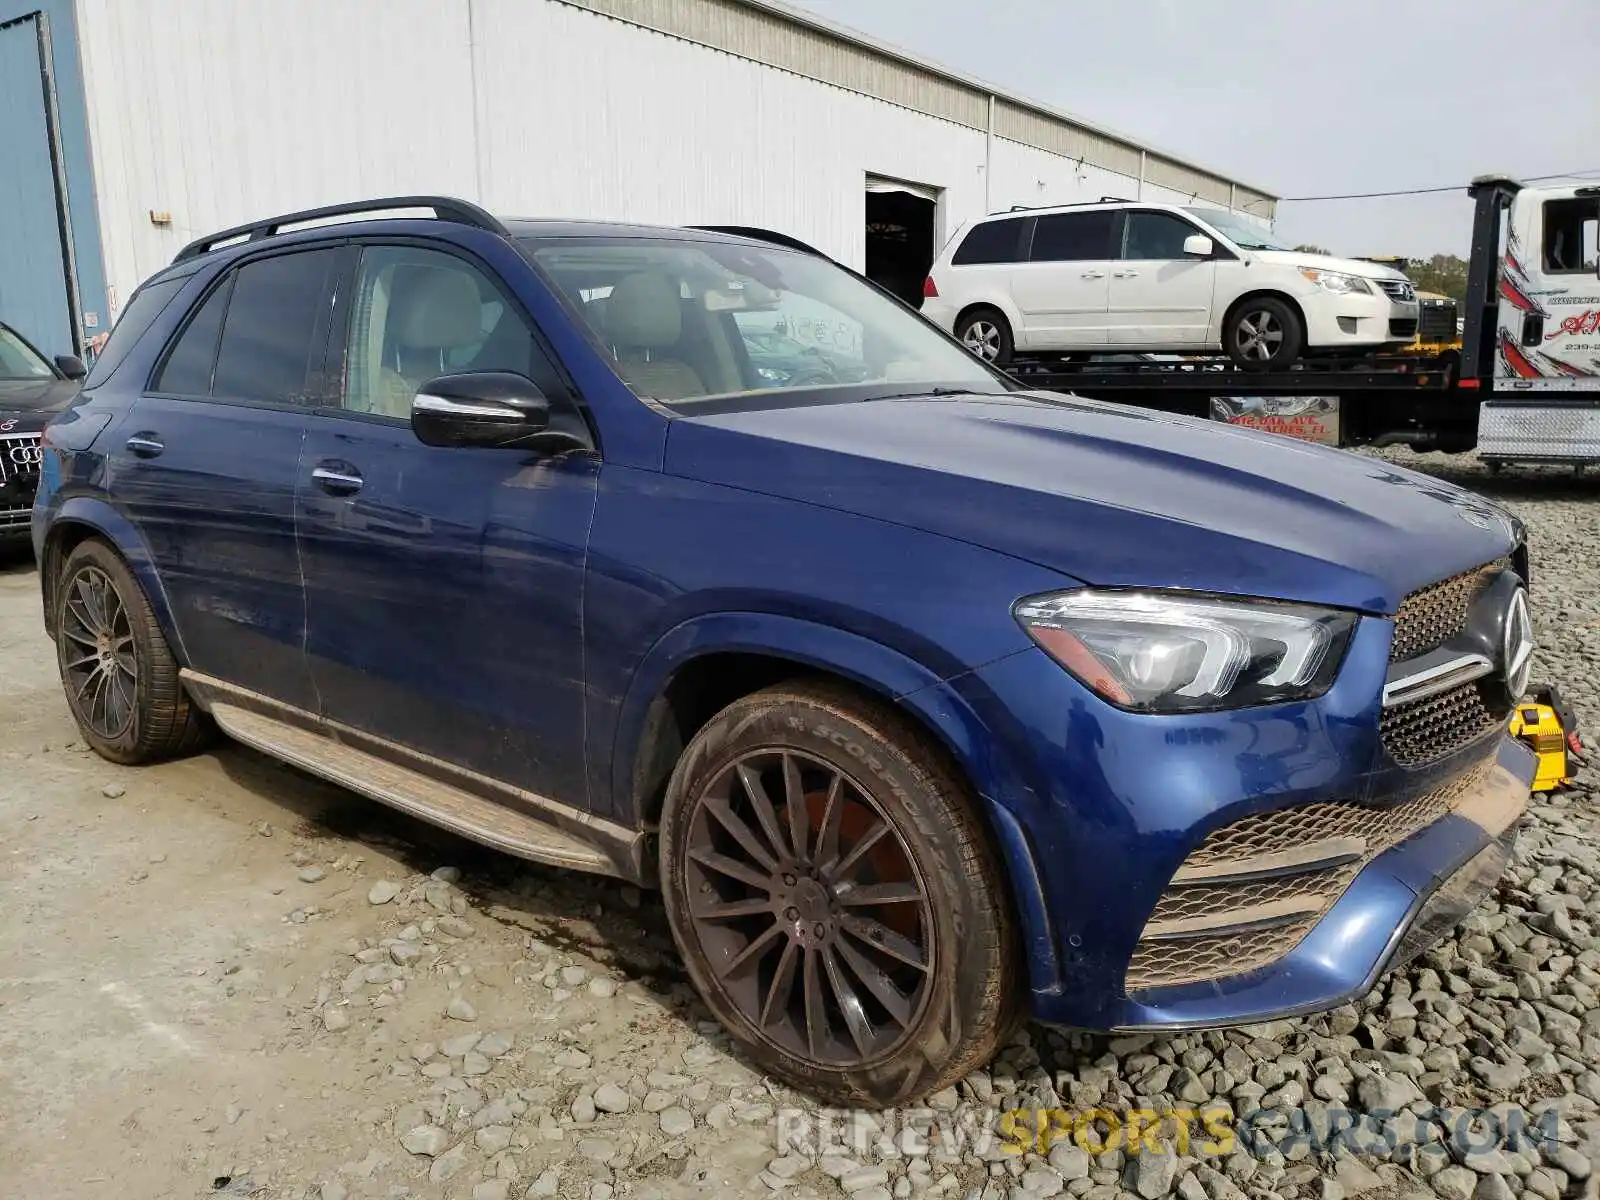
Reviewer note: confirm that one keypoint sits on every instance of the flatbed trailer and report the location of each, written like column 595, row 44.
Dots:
column 1524, row 387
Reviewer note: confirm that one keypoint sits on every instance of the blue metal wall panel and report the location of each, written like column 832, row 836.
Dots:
column 33, row 270
column 72, row 133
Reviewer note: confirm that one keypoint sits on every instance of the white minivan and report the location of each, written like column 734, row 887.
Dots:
column 1111, row 277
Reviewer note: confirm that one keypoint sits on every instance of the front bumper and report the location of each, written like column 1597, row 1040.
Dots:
column 1406, row 900
column 1349, row 322
column 1098, row 809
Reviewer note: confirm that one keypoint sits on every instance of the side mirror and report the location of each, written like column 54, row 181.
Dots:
column 479, row 408
column 1198, row 245
column 71, row 366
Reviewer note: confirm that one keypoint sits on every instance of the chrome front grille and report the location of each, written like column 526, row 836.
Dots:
column 13, row 519
column 1397, row 289
column 1256, row 887
column 20, row 455
column 1422, row 731
column 1431, row 616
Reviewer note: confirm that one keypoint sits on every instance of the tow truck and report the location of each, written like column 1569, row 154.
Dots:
column 1523, row 387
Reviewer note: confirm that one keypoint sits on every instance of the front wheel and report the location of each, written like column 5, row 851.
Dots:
column 835, row 898
column 987, row 334
column 120, row 678
column 1263, row 334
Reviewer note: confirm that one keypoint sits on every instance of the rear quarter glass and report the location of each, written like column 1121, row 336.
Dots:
column 147, row 304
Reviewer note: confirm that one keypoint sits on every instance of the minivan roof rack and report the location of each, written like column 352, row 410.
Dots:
column 1069, row 204
column 445, row 208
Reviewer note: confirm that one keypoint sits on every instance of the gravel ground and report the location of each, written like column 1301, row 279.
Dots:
column 220, row 976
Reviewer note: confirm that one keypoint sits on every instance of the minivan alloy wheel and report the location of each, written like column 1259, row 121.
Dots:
column 983, row 339
column 807, row 903
column 1259, row 335
column 101, row 670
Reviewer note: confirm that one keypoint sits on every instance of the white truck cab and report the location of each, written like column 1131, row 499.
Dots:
column 1537, row 341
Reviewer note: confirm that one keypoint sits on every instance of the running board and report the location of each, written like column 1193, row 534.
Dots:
column 440, row 803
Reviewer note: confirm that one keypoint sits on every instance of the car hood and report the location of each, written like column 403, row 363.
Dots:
column 1326, row 262
column 1107, row 494
column 30, row 403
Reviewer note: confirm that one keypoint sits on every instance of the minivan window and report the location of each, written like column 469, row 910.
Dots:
column 148, row 303
column 265, row 354
column 1073, row 237
column 990, row 242
column 1154, row 235
column 187, row 371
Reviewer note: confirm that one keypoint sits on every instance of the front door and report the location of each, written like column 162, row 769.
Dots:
column 1062, row 288
column 1160, row 298
column 205, row 464
column 444, row 585
column 1549, row 314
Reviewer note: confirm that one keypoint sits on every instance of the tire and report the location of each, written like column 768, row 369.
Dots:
column 119, row 675
column 1263, row 333
column 774, row 963
column 987, row 333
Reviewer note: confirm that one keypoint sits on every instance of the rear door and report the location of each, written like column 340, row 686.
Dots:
column 1159, row 298
column 444, row 584
column 1063, row 287
column 205, row 464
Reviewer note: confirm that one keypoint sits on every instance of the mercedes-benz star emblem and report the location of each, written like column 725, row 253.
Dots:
column 1516, row 656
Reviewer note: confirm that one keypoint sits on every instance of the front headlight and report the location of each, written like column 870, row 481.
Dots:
column 1169, row 652
column 1340, row 285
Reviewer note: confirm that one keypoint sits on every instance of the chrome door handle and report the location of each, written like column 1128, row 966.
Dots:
column 1124, row 274
column 1094, row 274
column 145, row 445
column 340, row 483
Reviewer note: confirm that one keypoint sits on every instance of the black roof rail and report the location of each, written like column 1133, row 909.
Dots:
column 757, row 234
column 445, row 208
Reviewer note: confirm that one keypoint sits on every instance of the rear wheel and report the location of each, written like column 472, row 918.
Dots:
column 120, row 678
column 1263, row 333
column 834, row 897
column 987, row 334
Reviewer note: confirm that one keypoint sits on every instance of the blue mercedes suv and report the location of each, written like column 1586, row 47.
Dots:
column 928, row 702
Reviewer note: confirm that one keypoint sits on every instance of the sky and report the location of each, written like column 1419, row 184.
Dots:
column 1297, row 97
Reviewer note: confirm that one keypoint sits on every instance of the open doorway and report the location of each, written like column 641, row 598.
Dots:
column 901, row 220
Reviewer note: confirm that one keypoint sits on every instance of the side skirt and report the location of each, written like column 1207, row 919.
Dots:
column 486, row 810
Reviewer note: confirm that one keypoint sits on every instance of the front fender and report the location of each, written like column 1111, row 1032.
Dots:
column 930, row 700
column 103, row 521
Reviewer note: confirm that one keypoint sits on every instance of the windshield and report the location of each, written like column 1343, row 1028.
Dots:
column 19, row 361
column 1240, row 230
column 688, row 321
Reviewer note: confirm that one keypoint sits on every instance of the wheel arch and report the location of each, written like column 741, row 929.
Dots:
column 1258, row 294
column 703, row 665
column 83, row 517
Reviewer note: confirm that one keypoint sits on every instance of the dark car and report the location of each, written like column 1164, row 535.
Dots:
column 927, row 701
column 32, row 390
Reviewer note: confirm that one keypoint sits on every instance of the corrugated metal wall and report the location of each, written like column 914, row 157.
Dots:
column 220, row 113
column 38, row 274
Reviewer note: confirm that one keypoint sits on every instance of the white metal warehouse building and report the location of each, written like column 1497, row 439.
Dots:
column 138, row 125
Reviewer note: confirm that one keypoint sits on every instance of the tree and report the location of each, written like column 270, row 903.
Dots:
column 1443, row 273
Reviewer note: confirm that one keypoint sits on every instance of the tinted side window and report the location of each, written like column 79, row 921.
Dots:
column 1155, row 235
column 147, row 304
column 187, row 371
column 1073, row 237
column 266, row 349
column 990, row 242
